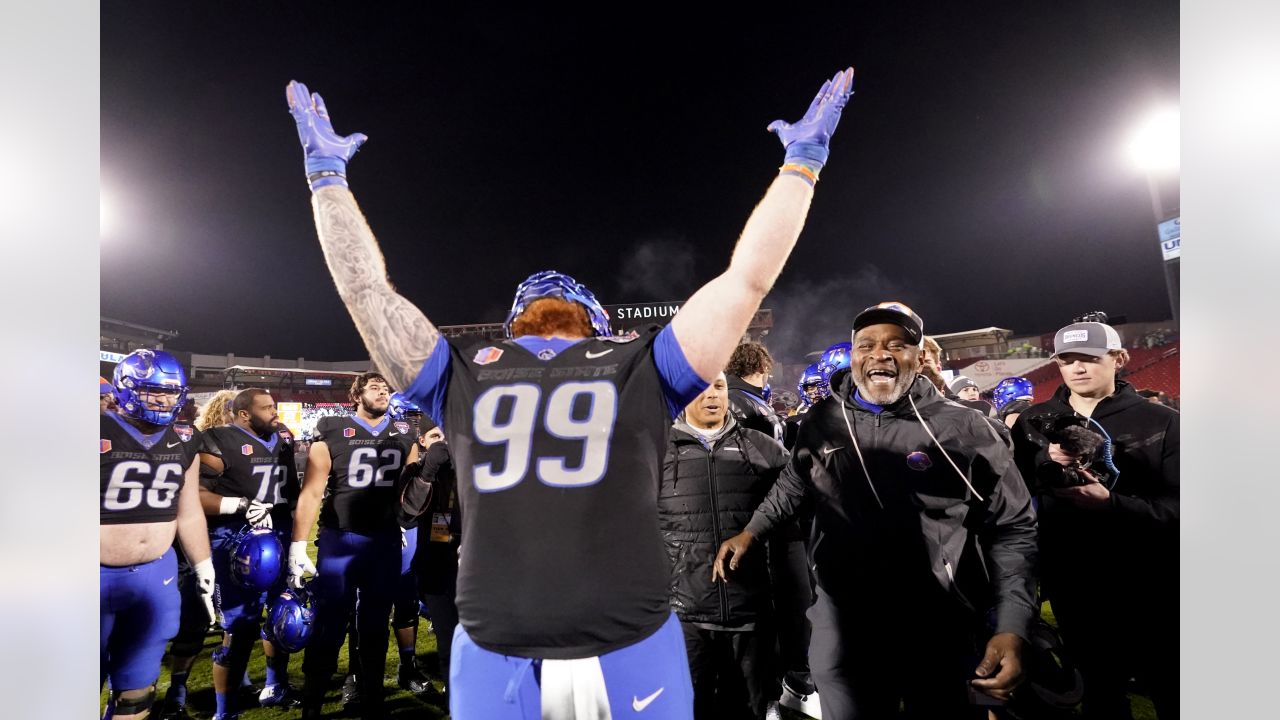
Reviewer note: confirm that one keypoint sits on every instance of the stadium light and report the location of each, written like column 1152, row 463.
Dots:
column 1153, row 146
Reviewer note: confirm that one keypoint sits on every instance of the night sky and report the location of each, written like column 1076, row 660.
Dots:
column 977, row 174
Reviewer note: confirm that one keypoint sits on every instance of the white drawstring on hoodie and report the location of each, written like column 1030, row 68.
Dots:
column 858, row 451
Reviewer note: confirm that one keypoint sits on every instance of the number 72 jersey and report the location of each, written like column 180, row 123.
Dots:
column 142, row 474
column 257, row 468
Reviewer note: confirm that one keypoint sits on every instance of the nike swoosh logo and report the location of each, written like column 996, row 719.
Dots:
column 173, row 444
column 593, row 356
column 166, row 582
column 828, row 451
column 638, row 705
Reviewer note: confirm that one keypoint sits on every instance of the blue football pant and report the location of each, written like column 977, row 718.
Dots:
column 405, row 613
column 139, row 608
column 348, row 564
column 650, row 676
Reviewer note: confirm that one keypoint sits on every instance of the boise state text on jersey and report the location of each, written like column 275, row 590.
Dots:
column 366, row 464
column 141, row 474
column 253, row 467
column 557, row 446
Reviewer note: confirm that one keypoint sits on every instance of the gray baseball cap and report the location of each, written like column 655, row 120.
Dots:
column 1086, row 338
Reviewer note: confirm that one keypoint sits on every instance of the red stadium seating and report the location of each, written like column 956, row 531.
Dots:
column 1156, row 368
column 1160, row 373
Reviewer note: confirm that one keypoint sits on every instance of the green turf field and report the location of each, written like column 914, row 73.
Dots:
column 400, row 703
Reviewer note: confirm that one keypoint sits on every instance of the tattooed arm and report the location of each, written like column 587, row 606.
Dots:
column 398, row 336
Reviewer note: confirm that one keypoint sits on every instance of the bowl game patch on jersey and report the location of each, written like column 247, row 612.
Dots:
column 246, row 449
column 104, row 446
column 487, row 355
column 348, row 432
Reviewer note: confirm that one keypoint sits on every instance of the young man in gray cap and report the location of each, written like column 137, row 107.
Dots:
column 924, row 532
column 1108, row 500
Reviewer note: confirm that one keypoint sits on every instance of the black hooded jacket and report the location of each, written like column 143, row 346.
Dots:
column 1130, row 547
column 707, row 496
column 750, row 408
column 922, row 524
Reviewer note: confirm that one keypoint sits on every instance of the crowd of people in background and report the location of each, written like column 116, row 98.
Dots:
column 767, row 628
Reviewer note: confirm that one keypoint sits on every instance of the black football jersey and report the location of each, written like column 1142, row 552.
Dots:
column 142, row 475
column 558, row 454
column 366, row 460
column 253, row 467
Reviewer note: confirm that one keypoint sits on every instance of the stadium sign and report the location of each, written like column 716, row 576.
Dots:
column 325, row 382
column 642, row 313
column 109, row 357
column 1170, row 232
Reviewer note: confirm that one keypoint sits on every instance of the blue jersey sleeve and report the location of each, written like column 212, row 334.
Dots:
column 428, row 389
column 680, row 384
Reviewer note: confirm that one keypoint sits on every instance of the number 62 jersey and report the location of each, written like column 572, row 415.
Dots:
column 366, row 464
column 142, row 474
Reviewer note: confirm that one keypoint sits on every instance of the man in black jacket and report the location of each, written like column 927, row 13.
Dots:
column 748, row 375
column 428, row 499
column 715, row 474
column 1109, row 539
column 925, row 538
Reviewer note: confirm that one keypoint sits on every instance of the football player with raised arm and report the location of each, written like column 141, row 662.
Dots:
column 558, row 435
column 357, row 459
column 248, row 479
column 147, row 461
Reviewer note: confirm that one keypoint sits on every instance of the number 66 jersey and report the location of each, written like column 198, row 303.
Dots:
column 558, row 446
column 142, row 474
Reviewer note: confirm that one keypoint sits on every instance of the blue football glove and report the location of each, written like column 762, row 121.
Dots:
column 806, row 140
column 326, row 152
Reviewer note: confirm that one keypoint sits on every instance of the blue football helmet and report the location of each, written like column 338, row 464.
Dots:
column 550, row 283
column 257, row 559
column 401, row 406
column 836, row 357
column 812, row 387
column 291, row 620
column 145, row 371
column 1010, row 389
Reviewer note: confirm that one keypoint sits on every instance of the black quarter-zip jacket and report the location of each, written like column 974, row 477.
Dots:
column 909, row 522
column 707, row 496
